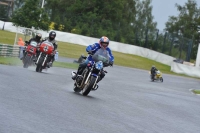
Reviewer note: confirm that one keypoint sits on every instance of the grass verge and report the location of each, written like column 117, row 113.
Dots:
column 14, row 61
column 196, row 91
column 65, row 65
column 10, row 61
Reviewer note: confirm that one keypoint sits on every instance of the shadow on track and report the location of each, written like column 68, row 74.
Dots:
column 86, row 97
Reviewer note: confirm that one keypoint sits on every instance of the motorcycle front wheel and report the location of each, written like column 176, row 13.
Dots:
column 26, row 61
column 39, row 65
column 87, row 88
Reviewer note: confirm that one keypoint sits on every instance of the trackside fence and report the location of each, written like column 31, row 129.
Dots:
column 10, row 50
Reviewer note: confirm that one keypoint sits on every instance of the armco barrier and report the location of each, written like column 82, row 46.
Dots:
column 9, row 50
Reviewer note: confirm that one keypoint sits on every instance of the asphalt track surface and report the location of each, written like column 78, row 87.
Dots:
column 126, row 102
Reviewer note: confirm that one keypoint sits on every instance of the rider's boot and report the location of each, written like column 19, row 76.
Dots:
column 34, row 59
column 50, row 64
column 79, row 71
column 153, row 77
column 74, row 77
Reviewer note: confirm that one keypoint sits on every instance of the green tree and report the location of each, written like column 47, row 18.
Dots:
column 3, row 12
column 19, row 3
column 31, row 15
column 144, row 27
column 120, row 20
column 186, row 23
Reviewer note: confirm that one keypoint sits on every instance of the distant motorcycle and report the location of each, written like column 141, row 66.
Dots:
column 157, row 77
column 87, row 81
column 46, row 50
column 30, row 54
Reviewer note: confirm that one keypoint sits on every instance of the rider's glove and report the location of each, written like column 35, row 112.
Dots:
column 90, row 52
column 111, row 63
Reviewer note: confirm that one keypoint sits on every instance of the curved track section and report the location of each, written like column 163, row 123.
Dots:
column 126, row 102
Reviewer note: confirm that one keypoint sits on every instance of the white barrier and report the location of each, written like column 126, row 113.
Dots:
column 185, row 69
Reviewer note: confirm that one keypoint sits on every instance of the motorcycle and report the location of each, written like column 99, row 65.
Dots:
column 157, row 77
column 87, row 81
column 46, row 50
column 30, row 54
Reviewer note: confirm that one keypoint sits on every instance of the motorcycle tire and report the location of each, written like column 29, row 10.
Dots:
column 88, row 87
column 161, row 79
column 26, row 61
column 39, row 65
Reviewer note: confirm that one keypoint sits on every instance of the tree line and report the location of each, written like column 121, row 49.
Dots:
column 126, row 21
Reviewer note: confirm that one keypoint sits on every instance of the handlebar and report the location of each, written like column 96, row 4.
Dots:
column 84, row 57
column 90, row 53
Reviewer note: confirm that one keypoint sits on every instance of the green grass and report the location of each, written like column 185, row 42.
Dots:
column 196, row 91
column 14, row 61
column 7, row 37
column 10, row 61
column 65, row 65
column 74, row 51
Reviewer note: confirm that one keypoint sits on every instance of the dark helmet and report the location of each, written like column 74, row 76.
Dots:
column 52, row 35
column 153, row 66
column 38, row 36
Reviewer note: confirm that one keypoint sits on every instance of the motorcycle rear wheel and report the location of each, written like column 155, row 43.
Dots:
column 87, row 88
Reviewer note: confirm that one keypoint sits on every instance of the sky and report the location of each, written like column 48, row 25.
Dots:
column 162, row 9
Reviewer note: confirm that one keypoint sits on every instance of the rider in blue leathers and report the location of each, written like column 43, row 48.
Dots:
column 91, row 49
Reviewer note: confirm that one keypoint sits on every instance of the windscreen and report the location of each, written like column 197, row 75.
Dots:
column 101, row 55
column 33, row 43
column 48, row 43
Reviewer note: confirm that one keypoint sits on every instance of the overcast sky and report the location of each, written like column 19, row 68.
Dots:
column 162, row 9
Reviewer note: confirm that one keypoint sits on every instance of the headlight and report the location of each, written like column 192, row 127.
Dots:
column 99, row 65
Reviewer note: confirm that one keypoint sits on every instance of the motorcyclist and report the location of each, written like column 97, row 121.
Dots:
column 91, row 49
column 37, row 38
column 153, row 71
column 51, row 38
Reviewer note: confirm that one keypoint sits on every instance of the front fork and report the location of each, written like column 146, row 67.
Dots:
column 88, row 77
column 44, row 60
column 39, row 59
column 98, row 76
column 95, row 82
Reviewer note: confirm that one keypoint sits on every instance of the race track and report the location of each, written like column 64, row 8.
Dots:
column 126, row 102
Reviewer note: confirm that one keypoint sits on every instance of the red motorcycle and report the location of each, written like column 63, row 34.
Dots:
column 30, row 54
column 46, row 51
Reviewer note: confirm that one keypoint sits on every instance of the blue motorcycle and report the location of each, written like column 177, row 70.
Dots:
column 87, row 81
